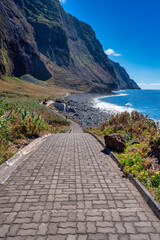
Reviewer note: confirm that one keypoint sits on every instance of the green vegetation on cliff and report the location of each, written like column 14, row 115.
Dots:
column 4, row 57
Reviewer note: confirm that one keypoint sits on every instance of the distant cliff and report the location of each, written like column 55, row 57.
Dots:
column 123, row 79
column 39, row 38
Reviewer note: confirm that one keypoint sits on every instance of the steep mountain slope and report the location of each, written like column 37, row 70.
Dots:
column 18, row 50
column 39, row 38
column 123, row 79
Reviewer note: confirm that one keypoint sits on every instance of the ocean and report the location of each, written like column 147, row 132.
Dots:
column 144, row 101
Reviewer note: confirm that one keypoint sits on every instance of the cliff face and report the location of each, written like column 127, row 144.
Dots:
column 39, row 38
column 123, row 79
column 18, row 51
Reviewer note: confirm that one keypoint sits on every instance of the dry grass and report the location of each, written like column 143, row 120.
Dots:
column 11, row 86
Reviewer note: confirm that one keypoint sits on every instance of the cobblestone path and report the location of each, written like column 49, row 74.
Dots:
column 68, row 189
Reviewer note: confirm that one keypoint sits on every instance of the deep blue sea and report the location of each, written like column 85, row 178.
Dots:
column 144, row 101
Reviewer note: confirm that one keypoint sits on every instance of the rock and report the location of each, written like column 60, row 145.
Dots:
column 154, row 153
column 151, row 142
column 72, row 110
column 60, row 106
column 59, row 101
column 115, row 142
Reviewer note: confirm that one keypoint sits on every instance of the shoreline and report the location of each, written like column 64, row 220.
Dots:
column 89, row 111
column 83, row 109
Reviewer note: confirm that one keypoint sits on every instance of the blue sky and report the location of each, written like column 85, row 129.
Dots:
column 130, row 29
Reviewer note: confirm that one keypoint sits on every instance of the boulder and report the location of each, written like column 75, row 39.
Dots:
column 155, row 153
column 59, row 106
column 115, row 142
column 59, row 101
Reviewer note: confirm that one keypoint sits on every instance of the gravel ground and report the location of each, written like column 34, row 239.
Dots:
column 84, row 111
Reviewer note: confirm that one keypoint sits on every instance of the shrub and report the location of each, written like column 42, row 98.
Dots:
column 157, row 141
column 155, row 179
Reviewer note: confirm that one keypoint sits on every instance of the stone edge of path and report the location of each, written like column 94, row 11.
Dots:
column 149, row 199
column 22, row 153
column 68, row 129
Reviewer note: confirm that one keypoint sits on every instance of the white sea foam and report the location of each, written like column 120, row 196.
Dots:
column 109, row 107
column 128, row 104
column 118, row 95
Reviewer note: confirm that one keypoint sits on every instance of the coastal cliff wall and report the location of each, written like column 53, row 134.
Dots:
column 123, row 79
column 39, row 38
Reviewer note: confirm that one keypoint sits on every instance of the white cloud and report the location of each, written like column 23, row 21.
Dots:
column 111, row 52
column 62, row 1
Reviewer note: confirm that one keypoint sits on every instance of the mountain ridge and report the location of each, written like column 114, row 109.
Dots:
column 46, row 42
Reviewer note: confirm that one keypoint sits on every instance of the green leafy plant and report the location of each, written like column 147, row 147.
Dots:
column 155, row 179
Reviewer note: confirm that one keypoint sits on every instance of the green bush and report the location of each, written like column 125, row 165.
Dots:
column 155, row 179
column 157, row 141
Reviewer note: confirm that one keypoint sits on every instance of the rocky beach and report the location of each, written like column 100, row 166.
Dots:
column 81, row 107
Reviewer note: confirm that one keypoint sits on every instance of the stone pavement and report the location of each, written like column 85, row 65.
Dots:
column 68, row 189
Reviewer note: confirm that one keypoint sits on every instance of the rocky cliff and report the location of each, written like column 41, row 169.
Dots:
column 39, row 38
column 123, row 79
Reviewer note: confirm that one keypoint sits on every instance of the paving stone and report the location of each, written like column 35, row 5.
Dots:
column 57, row 237
column 82, row 237
column 29, row 226
column 98, row 236
column 81, row 216
column 119, row 227
column 154, row 236
column 145, row 229
column 27, row 232
column 42, row 229
column 67, row 224
column 140, row 237
column 67, row 188
column 124, row 237
column 66, row 230
column 72, row 237
column 45, row 217
column 4, row 230
column 9, row 218
column 52, row 228
column 106, row 230
column 113, row 236
column 37, row 217
column 129, row 226
column 81, row 227
column 91, row 227
column 13, row 230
